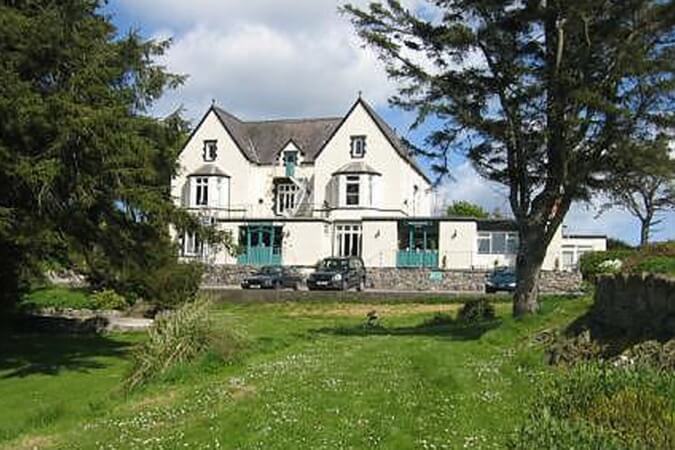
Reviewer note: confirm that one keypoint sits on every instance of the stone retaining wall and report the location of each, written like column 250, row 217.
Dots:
column 636, row 304
column 409, row 279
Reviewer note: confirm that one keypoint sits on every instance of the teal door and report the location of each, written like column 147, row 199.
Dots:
column 290, row 161
column 261, row 245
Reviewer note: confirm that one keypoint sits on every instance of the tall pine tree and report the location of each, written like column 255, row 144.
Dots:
column 84, row 172
column 539, row 94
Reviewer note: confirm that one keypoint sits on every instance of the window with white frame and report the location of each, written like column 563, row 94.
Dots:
column 484, row 243
column 192, row 245
column 352, row 190
column 201, row 191
column 358, row 146
column 286, row 196
column 210, row 150
column 497, row 242
column 348, row 240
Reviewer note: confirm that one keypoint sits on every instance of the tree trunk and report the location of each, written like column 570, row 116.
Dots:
column 645, row 226
column 530, row 258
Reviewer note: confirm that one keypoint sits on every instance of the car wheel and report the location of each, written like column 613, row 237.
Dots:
column 361, row 286
column 489, row 290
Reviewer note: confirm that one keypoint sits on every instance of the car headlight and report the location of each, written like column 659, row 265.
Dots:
column 489, row 283
column 512, row 284
column 337, row 277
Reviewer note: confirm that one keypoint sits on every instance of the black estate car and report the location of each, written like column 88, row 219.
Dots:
column 339, row 273
column 501, row 279
column 273, row 277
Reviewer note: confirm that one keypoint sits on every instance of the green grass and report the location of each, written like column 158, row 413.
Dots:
column 59, row 297
column 313, row 376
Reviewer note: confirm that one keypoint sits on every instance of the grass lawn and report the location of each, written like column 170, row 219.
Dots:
column 311, row 377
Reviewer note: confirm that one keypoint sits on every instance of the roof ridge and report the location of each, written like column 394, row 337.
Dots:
column 292, row 120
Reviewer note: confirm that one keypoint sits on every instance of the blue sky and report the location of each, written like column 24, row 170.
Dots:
column 300, row 58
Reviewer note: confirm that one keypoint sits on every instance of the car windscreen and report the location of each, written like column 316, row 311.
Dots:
column 333, row 264
column 269, row 270
column 503, row 276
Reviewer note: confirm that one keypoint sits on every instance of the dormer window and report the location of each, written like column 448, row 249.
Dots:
column 290, row 161
column 210, row 151
column 358, row 146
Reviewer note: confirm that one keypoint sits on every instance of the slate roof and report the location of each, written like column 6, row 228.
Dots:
column 261, row 141
column 356, row 167
column 497, row 225
column 209, row 169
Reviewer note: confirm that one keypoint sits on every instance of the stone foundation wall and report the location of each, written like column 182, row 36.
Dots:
column 408, row 279
column 636, row 304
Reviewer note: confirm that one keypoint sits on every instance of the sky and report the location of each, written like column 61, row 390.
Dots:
column 265, row 59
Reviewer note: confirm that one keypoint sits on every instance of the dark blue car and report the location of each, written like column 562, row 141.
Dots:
column 503, row 279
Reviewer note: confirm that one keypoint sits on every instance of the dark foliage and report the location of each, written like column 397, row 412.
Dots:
column 541, row 96
column 476, row 310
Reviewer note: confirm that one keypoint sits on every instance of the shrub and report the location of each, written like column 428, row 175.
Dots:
column 178, row 337
column 605, row 407
column 173, row 284
column 108, row 299
column 476, row 310
column 573, row 350
column 438, row 319
column 655, row 264
column 593, row 264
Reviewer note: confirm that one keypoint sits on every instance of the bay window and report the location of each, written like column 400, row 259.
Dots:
column 353, row 187
column 201, row 191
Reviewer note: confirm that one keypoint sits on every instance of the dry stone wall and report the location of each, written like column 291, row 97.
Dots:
column 636, row 304
column 409, row 279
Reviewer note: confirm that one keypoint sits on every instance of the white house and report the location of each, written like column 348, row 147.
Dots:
column 294, row 191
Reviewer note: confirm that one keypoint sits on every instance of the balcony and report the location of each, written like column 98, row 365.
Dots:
column 417, row 258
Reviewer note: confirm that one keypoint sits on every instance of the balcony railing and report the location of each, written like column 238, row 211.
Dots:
column 417, row 258
column 260, row 256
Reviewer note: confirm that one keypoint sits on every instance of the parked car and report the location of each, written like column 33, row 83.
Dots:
column 339, row 273
column 501, row 279
column 273, row 277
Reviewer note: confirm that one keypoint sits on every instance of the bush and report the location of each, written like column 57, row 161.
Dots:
column 108, row 299
column 178, row 337
column 173, row 284
column 601, row 406
column 476, row 310
column 59, row 297
column 593, row 264
column 655, row 264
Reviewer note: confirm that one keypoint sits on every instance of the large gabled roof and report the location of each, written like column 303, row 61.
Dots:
column 261, row 141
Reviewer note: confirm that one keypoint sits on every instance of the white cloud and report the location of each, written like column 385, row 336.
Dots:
column 262, row 59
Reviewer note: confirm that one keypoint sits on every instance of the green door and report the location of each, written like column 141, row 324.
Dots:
column 261, row 245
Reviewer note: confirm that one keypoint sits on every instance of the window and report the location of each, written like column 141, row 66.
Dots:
column 348, row 240
column 417, row 236
column 358, row 146
column 497, row 242
column 484, row 243
column 202, row 191
column 568, row 260
column 353, row 183
column 210, row 150
column 512, row 243
column 193, row 245
column 286, row 194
